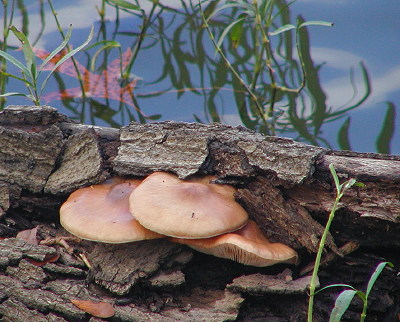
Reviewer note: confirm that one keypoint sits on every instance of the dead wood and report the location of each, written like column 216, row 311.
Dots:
column 284, row 185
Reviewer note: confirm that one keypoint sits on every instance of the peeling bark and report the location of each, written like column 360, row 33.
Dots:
column 285, row 186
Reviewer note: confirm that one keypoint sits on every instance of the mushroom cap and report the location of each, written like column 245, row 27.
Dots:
column 101, row 213
column 193, row 208
column 247, row 246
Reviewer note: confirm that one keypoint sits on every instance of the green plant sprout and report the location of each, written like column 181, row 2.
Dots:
column 31, row 72
column 345, row 297
column 340, row 191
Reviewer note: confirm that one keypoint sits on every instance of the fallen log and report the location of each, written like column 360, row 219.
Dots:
column 284, row 185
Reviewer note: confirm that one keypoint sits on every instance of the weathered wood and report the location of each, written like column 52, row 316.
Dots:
column 185, row 149
column 285, row 186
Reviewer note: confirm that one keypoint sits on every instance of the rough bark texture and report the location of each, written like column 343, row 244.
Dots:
column 285, row 186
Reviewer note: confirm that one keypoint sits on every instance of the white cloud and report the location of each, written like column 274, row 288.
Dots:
column 335, row 58
column 81, row 14
column 340, row 91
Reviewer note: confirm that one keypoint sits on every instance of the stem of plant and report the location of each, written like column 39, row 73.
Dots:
column 229, row 65
column 81, row 84
column 314, row 275
column 340, row 190
column 138, row 44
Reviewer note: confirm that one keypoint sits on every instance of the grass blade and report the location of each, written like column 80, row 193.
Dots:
column 375, row 275
column 341, row 305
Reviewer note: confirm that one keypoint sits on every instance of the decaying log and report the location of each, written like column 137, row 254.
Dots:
column 285, row 186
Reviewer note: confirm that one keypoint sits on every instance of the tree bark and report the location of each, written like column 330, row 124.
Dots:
column 285, row 186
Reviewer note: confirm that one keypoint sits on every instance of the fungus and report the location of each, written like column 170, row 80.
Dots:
column 247, row 245
column 193, row 208
column 101, row 213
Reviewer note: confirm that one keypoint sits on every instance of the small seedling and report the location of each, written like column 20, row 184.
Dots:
column 340, row 191
column 345, row 297
column 31, row 72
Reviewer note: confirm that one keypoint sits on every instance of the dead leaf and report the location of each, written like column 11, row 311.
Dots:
column 100, row 309
column 47, row 259
column 28, row 235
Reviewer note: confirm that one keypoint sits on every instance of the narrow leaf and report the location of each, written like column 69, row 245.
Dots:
column 107, row 45
column 67, row 56
column 315, row 23
column 124, row 4
column 19, row 78
column 227, row 30
column 30, row 57
column 375, row 275
column 58, row 49
column 237, row 30
column 282, row 29
column 14, row 94
column 388, row 128
column 343, row 135
column 341, row 305
column 14, row 61
column 335, row 177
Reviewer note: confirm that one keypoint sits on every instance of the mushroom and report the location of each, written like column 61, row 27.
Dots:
column 101, row 213
column 247, row 245
column 193, row 208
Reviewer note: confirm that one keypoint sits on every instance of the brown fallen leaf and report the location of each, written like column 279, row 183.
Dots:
column 47, row 259
column 100, row 309
column 28, row 235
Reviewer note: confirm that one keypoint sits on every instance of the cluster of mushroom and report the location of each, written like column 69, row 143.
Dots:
column 196, row 212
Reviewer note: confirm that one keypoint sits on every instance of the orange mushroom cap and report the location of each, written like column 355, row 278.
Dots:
column 247, row 245
column 193, row 208
column 101, row 213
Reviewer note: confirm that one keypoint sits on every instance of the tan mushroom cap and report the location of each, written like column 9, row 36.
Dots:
column 247, row 246
column 193, row 208
column 101, row 213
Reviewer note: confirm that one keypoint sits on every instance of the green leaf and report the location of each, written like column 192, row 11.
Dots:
column 30, row 57
column 58, row 49
column 375, row 275
column 237, row 30
column 16, row 77
column 343, row 135
column 14, row 61
column 124, row 4
column 67, row 56
column 282, row 29
column 388, row 128
column 227, row 29
column 13, row 94
column 335, row 285
column 341, row 305
column 229, row 5
column 335, row 177
column 106, row 45
column 112, row 43
column 315, row 23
